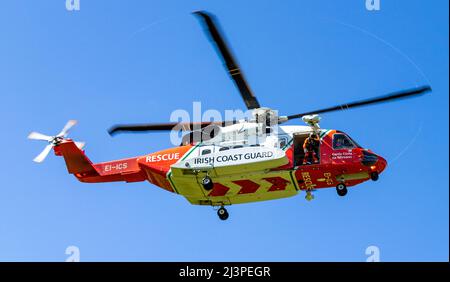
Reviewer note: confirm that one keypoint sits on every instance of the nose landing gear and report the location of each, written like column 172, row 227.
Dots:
column 341, row 189
column 374, row 176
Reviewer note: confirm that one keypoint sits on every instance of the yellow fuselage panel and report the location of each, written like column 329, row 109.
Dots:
column 235, row 189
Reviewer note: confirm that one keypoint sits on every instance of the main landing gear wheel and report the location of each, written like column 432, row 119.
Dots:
column 341, row 189
column 222, row 213
column 374, row 176
column 207, row 183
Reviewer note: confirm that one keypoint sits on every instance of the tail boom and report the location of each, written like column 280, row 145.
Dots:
column 78, row 164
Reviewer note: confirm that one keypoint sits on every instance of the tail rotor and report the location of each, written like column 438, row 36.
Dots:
column 53, row 140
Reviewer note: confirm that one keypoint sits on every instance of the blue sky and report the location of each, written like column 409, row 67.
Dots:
column 116, row 62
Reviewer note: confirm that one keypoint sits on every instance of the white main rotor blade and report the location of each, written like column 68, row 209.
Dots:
column 43, row 154
column 66, row 128
column 39, row 136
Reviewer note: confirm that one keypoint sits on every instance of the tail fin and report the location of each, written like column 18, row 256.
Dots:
column 77, row 162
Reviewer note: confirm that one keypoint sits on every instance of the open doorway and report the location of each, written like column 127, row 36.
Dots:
column 300, row 158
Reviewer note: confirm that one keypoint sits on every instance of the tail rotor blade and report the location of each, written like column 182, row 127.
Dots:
column 41, row 157
column 39, row 136
column 80, row 145
column 66, row 128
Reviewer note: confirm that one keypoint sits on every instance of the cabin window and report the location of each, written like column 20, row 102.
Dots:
column 238, row 146
column 282, row 142
column 341, row 141
column 224, row 149
column 206, row 151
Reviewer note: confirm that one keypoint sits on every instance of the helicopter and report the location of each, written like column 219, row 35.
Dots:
column 240, row 161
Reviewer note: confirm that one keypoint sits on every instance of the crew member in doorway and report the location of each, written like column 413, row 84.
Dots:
column 311, row 148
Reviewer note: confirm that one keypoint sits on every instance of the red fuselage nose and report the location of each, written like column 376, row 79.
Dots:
column 373, row 161
column 381, row 164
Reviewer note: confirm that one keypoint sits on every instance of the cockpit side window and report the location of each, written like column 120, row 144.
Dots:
column 341, row 141
column 206, row 151
column 354, row 142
